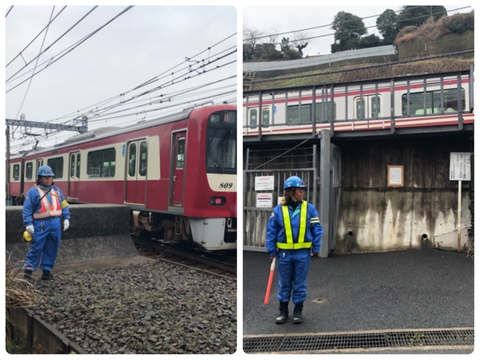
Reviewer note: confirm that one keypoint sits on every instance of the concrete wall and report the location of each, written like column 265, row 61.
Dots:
column 95, row 232
column 374, row 217
column 39, row 337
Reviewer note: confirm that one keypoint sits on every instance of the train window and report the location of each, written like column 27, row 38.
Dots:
column 78, row 166
column 72, row 165
column 253, row 116
column 75, row 165
column 230, row 117
column 143, row 158
column 132, row 158
column 375, row 106
column 108, row 167
column 16, row 172
column 299, row 116
column 360, row 108
column 180, row 163
column 430, row 102
column 223, row 117
column 265, row 117
column 39, row 164
column 221, row 155
column 323, row 112
column 450, row 100
column 57, row 166
column 101, row 163
column 29, row 171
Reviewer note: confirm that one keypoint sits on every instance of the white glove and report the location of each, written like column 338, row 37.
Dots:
column 30, row 229
column 66, row 224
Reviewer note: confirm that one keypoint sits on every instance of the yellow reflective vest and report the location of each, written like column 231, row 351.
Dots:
column 300, row 243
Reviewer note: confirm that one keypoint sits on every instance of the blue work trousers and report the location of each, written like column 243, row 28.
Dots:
column 45, row 241
column 293, row 266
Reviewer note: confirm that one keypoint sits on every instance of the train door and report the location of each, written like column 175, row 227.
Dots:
column 74, row 175
column 265, row 117
column 178, row 169
column 39, row 165
column 367, row 107
column 136, row 172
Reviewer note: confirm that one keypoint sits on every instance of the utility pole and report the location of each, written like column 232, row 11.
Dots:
column 7, row 164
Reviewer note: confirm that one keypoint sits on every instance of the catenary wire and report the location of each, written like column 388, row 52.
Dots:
column 51, row 61
column 30, row 82
column 35, row 38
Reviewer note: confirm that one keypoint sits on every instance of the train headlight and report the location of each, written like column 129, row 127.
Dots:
column 218, row 200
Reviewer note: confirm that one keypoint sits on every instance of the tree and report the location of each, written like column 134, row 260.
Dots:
column 387, row 26
column 250, row 39
column 348, row 29
column 300, row 42
column 368, row 41
column 266, row 51
column 417, row 15
column 287, row 51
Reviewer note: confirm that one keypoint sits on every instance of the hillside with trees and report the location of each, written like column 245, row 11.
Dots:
column 351, row 33
column 429, row 45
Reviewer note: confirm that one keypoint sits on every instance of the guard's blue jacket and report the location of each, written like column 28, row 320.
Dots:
column 32, row 199
column 276, row 228
column 45, row 216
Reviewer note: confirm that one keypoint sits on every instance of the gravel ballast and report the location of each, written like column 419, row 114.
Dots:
column 151, row 308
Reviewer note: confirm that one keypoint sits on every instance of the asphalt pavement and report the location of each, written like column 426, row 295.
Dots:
column 415, row 289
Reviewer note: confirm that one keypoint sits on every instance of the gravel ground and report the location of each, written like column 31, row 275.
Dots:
column 152, row 308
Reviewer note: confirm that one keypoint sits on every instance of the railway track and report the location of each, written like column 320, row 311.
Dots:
column 224, row 263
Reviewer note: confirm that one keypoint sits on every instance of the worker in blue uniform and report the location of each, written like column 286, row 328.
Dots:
column 294, row 233
column 43, row 209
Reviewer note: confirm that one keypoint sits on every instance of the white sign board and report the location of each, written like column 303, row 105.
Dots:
column 264, row 200
column 395, row 175
column 264, row 183
column 460, row 166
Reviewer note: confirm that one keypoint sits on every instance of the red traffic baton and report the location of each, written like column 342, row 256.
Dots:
column 270, row 280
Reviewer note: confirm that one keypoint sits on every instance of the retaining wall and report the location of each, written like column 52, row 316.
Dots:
column 95, row 232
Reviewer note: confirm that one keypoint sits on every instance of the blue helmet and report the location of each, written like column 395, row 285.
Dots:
column 294, row 181
column 45, row 170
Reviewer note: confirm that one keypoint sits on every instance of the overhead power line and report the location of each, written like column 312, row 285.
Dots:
column 51, row 61
column 35, row 38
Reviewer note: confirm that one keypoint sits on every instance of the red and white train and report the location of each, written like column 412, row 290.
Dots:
column 178, row 174
column 410, row 101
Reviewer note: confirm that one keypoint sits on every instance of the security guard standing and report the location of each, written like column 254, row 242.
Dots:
column 293, row 232
column 42, row 211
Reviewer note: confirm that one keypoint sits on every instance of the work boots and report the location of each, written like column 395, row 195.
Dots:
column 47, row 275
column 282, row 317
column 297, row 313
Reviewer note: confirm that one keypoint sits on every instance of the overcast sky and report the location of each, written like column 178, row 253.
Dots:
column 317, row 20
column 81, row 67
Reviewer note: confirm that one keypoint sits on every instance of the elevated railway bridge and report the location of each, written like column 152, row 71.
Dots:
column 376, row 155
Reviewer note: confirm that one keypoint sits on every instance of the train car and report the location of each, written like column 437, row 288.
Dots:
column 178, row 174
column 404, row 102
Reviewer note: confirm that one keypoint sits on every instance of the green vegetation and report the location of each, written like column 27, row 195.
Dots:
column 411, row 23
